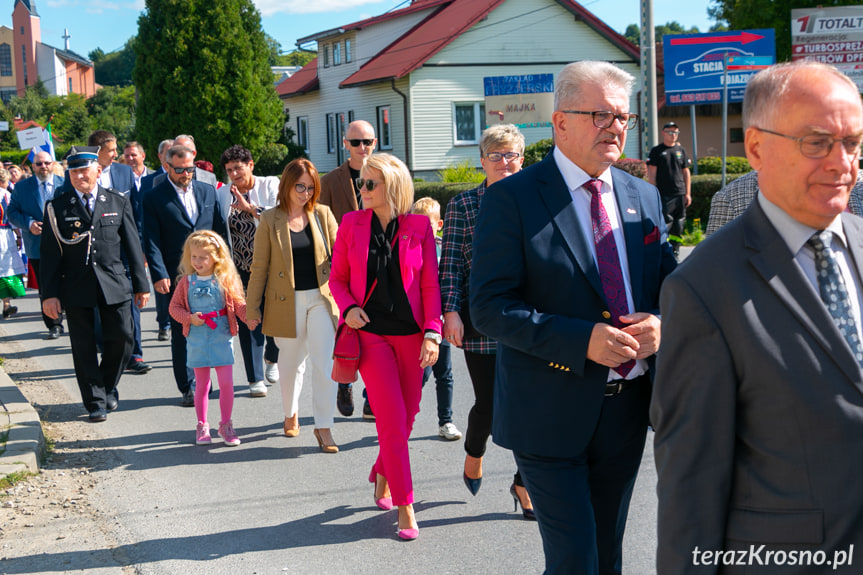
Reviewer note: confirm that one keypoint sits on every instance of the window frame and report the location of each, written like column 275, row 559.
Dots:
column 4, row 55
column 337, row 53
column 331, row 133
column 348, row 55
column 478, row 115
column 303, row 132
column 385, row 137
column 326, row 55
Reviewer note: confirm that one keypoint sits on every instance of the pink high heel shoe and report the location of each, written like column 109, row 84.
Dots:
column 384, row 503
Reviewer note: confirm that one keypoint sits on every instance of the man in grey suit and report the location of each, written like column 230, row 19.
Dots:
column 758, row 398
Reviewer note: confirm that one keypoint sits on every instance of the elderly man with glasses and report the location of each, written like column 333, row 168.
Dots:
column 172, row 210
column 568, row 258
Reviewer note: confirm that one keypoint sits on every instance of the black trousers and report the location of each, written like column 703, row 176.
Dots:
column 183, row 375
column 674, row 210
column 480, row 366
column 582, row 502
column 49, row 323
column 96, row 380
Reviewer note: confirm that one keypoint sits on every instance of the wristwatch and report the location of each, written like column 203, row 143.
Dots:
column 434, row 336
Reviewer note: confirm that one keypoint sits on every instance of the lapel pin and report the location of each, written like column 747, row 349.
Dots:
column 77, row 224
column 404, row 237
column 630, row 211
column 73, row 201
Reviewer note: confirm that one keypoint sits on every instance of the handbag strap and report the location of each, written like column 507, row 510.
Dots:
column 323, row 237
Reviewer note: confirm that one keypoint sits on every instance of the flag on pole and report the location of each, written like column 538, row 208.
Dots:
column 48, row 146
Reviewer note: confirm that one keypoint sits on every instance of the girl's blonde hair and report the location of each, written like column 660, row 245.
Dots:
column 224, row 269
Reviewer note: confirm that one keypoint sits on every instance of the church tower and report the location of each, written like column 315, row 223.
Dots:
column 27, row 33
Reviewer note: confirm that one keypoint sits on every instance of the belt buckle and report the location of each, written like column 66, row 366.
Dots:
column 615, row 388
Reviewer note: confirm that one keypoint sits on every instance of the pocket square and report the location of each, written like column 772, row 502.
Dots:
column 652, row 237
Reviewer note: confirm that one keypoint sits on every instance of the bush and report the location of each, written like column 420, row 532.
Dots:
column 632, row 166
column 443, row 192
column 460, row 173
column 537, row 151
column 703, row 188
column 271, row 161
column 713, row 165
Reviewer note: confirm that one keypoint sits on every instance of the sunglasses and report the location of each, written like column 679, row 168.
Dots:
column 356, row 143
column 42, row 163
column 369, row 184
column 189, row 170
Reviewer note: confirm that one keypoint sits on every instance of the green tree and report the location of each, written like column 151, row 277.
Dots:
column 115, row 68
column 113, row 109
column 30, row 106
column 633, row 34
column 96, row 55
column 757, row 14
column 295, row 58
column 202, row 69
column 71, row 123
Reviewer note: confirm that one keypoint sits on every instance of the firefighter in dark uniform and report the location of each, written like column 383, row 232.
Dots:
column 82, row 270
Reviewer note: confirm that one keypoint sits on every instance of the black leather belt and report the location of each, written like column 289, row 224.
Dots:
column 617, row 386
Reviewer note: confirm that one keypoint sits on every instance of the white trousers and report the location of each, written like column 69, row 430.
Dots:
column 315, row 337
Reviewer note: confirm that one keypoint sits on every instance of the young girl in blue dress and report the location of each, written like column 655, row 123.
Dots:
column 208, row 300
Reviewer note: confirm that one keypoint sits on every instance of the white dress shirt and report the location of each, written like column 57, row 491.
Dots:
column 187, row 198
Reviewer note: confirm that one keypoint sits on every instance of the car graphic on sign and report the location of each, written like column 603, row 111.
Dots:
column 708, row 63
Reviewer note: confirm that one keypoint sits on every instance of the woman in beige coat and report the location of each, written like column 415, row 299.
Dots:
column 291, row 268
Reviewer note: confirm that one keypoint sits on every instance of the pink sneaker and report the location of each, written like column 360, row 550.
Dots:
column 202, row 437
column 226, row 431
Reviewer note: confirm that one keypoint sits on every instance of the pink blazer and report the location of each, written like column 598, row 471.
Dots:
column 417, row 260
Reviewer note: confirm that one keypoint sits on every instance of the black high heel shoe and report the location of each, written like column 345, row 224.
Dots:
column 526, row 513
column 472, row 485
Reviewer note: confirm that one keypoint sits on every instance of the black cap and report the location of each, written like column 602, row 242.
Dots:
column 670, row 125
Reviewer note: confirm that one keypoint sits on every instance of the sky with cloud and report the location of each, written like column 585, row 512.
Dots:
column 107, row 24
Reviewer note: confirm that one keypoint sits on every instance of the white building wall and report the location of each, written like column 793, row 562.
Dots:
column 363, row 101
column 548, row 38
column 51, row 70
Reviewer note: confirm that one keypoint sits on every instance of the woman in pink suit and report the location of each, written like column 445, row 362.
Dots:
column 384, row 280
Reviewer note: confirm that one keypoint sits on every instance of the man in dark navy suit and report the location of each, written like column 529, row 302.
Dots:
column 569, row 256
column 26, row 209
column 89, row 231
column 172, row 210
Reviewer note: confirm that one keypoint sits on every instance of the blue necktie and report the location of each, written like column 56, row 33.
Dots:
column 833, row 291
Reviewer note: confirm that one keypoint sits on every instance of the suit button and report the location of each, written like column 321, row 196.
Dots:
column 282, row 298
column 281, row 274
column 606, row 315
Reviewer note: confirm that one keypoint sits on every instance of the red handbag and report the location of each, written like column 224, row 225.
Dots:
column 346, row 351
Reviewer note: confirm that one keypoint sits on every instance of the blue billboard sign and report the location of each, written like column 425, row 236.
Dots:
column 694, row 64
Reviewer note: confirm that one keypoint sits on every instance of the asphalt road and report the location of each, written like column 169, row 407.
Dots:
column 278, row 505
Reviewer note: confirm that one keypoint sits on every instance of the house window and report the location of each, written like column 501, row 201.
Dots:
column 24, row 63
column 342, row 128
column 468, row 122
column 348, row 51
column 337, row 54
column 350, row 116
column 5, row 60
column 70, row 85
column 326, row 55
column 735, row 135
column 384, row 135
column 331, row 133
column 22, row 30
column 303, row 132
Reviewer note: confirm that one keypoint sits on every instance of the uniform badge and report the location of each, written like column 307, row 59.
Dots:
column 77, row 224
column 75, row 235
column 103, row 198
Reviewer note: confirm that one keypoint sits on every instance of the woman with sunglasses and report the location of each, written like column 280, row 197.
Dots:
column 385, row 282
column 291, row 263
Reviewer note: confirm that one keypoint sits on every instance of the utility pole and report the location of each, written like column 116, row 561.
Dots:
column 650, row 132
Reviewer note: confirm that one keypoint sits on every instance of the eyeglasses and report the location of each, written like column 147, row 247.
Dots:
column 498, row 156
column 366, row 143
column 817, row 146
column 604, row 119
column 42, row 163
column 189, row 170
column 302, row 188
column 369, row 184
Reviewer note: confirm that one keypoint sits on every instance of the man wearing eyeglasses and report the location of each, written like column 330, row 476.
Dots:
column 568, row 258
column 26, row 209
column 340, row 193
column 172, row 210
column 668, row 170
column 757, row 402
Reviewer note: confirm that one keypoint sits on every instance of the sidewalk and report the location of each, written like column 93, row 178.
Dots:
column 21, row 439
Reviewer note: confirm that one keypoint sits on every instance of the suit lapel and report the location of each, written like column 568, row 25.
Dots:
column 557, row 199
column 629, row 212
column 199, row 200
column 283, row 238
column 174, row 198
column 776, row 265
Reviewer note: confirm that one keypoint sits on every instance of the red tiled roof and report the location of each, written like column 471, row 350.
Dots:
column 303, row 81
column 417, row 45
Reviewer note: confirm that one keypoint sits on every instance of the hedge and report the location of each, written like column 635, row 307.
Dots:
column 18, row 156
column 703, row 188
column 441, row 191
column 713, row 165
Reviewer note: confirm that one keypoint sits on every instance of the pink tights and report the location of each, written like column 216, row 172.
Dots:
column 225, row 375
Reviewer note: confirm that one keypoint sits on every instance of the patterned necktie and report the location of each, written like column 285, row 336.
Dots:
column 44, row 194
column 608, row 262
column 87, row 204
column 833, row 291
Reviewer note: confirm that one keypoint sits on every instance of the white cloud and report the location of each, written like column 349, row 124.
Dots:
column 270, row 7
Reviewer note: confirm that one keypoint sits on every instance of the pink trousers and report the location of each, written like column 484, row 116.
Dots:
column 390, row 367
